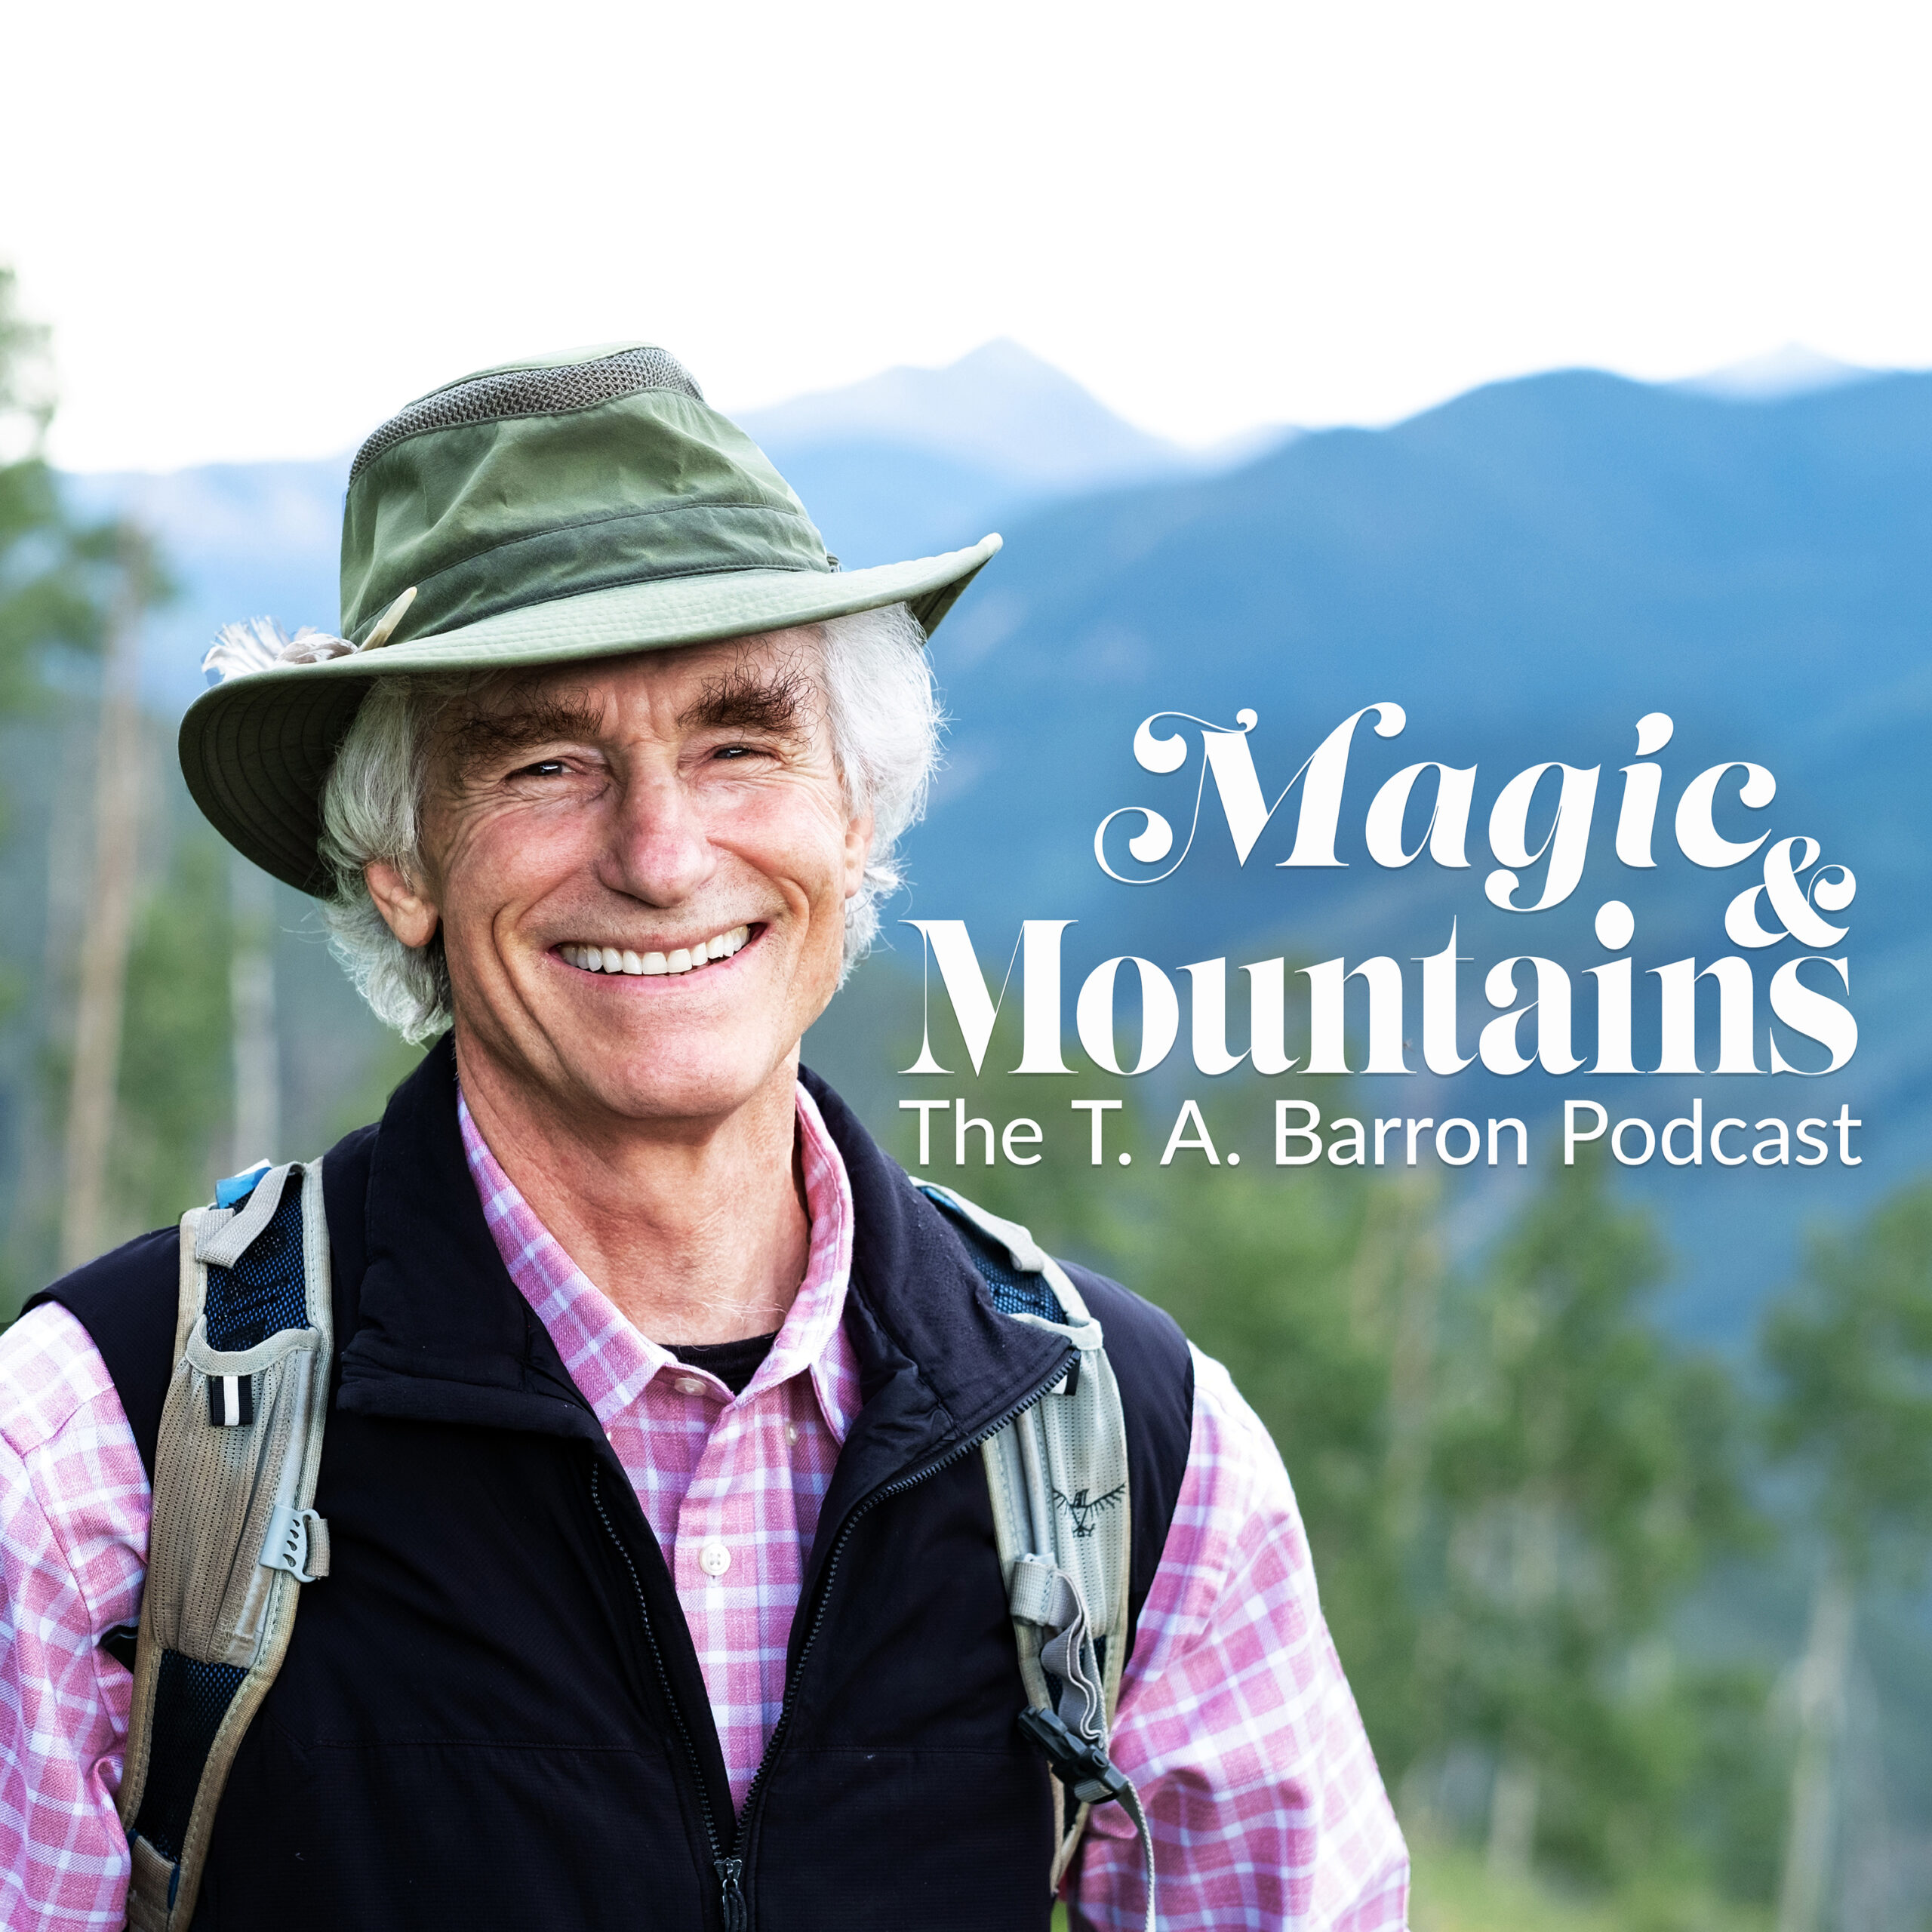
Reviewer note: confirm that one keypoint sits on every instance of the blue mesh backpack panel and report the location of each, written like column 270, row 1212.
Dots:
column 263, row 1293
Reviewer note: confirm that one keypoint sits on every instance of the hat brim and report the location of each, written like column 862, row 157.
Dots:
column 256, row 749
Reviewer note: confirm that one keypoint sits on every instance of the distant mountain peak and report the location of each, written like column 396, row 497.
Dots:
column 1778, row 375
column 1000, row 406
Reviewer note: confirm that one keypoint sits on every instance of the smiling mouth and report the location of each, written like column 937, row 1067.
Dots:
column 685, row 959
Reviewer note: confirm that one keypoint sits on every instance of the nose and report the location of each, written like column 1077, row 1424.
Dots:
column 659, row 850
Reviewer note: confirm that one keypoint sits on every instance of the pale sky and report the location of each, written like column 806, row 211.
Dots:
column 257, row 232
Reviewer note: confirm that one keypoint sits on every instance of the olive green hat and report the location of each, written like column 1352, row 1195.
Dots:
column 577, row 506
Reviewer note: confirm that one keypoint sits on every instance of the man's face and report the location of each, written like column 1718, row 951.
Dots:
column 662, row 810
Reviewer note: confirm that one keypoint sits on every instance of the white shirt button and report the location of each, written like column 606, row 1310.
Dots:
column 689, row 1385
column 791, row 1432
column 714, row 1559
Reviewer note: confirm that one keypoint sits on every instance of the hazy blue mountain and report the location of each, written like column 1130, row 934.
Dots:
column 1527, row 570
column 1783, row 373
column 914, row 461
column 879, row 503
column 1001, row 408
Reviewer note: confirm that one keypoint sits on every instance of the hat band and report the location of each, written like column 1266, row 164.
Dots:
column 621, row 547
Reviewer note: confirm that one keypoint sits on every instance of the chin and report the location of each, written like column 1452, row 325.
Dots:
column 659, row 1081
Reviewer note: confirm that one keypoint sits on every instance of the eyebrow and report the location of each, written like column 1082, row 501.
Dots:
column 486, row 736
column 746, row 698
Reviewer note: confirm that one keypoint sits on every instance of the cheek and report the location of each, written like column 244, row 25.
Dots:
column 805, row 842
column 496, row 861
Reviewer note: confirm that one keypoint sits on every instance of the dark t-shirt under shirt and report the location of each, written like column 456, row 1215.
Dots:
column 733, row 1363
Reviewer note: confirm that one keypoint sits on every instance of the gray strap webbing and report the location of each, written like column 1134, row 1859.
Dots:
column 233, row 1536
column 1057, row 1476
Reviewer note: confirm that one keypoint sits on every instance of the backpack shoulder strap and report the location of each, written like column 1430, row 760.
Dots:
column 233, row 1536
column 1057, row 1476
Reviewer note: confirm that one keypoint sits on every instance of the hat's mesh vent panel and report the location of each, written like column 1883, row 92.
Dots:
column 531, row 392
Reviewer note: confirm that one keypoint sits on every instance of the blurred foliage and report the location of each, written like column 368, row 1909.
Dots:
column 391, row 1063
column 1850, row 1349
column 176, row 1074
column 1731, row 1797
column 1581, row 1474
column 54, row 573
column 1454, row 1891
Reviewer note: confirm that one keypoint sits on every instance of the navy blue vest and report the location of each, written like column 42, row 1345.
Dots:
column 491, row 1713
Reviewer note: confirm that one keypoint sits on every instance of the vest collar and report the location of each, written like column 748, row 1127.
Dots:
column 442, row 1334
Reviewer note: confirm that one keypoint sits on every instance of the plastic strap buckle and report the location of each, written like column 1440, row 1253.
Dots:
column 1085, row 1769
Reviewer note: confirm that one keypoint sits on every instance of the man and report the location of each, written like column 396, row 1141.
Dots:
column 661, row 1586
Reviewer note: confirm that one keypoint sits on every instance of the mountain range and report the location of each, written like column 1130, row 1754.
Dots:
column 1526, row 570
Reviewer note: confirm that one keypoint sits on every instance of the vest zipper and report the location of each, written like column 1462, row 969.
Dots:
column 730, row 1870
column 755, row 1789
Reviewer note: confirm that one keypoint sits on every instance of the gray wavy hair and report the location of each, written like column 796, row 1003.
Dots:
column 884, row 719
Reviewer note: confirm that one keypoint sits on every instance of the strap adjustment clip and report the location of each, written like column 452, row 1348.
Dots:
column 292, row 1534
column 1085, row 1769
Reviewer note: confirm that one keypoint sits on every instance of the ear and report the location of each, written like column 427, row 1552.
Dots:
column 858, row 849
column 407, row 913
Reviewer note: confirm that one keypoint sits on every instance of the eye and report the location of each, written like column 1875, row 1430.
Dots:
column 544, row 768
column 735, row 752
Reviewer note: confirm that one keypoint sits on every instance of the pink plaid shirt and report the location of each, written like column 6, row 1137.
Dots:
column 730, row 1489
column 1235, row 1722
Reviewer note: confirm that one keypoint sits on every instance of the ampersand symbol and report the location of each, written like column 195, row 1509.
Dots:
column 1831, row 887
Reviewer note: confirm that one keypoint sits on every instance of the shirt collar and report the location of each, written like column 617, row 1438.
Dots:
column 567, row 1302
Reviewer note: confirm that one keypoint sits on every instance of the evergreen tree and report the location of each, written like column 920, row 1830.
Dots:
column 51, row 568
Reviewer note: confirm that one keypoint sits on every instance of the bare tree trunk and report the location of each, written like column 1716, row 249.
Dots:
column 109, row 920
column 251, row 998
column 1412, row 1359
column 70, row 837
column 1821, row 1679
column 1533, row 1567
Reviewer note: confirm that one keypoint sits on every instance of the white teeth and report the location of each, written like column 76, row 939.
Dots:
column 685, row 959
